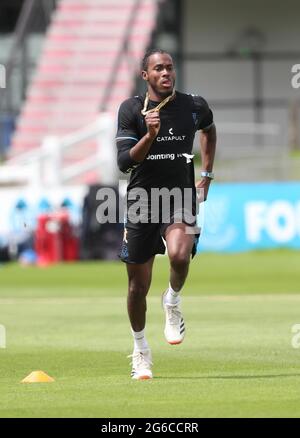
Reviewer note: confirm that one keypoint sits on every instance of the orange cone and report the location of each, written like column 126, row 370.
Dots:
column 37, row 377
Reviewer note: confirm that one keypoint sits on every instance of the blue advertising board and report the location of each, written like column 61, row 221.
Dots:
column 236, row 217
column 245, row 216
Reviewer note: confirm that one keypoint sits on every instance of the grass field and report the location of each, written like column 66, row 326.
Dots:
column 236, row 361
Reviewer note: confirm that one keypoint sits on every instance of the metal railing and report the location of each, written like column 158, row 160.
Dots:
column 43, row 166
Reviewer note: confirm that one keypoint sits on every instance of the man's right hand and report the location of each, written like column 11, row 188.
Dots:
column 139, row 152
column 153, row 123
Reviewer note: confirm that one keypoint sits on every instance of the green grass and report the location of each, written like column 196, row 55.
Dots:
column 295, row 152
column 71, row 322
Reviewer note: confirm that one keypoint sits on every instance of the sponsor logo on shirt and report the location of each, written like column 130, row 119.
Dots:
column 171, row 137
column 195, row 118
column 161, row 157
column 188, row 157
column 171, row 157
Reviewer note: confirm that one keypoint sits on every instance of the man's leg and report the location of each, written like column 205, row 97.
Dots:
column 139, row 280
column 180, row 245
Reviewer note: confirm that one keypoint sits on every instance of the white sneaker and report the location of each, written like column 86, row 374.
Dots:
column 141, row 365
column 174, row 328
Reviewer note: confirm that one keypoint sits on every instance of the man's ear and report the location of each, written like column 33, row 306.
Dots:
column 144, row 75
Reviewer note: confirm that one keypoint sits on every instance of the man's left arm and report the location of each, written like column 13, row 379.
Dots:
column 208, row 141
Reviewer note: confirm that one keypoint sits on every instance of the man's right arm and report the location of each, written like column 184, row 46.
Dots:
column 127, row 136
column 131, row 149
column 140, row 150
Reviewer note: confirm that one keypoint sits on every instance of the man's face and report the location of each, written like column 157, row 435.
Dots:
column 160, row 74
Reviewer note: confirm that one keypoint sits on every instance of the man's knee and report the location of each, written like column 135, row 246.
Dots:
column 179, row 259
column 137, row 290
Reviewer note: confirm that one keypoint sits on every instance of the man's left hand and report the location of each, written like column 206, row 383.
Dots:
column 203, row 185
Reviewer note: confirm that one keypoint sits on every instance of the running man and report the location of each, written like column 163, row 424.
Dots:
column 155, row 141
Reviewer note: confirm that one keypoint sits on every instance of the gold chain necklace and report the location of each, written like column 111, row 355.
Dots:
column 158, row 107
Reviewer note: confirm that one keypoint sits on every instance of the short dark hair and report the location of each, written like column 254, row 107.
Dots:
column 149, row 53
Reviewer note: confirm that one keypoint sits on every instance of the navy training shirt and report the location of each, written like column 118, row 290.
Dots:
column 169, row 162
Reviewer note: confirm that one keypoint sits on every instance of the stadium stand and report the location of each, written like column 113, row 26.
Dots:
column 88, row 63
